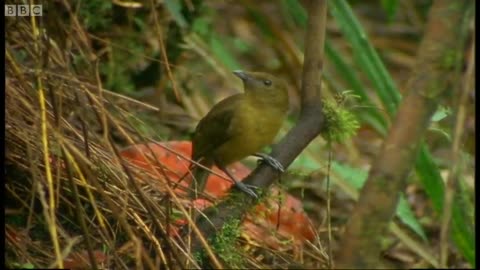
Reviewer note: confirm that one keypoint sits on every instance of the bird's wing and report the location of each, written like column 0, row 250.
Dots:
column 214, row 129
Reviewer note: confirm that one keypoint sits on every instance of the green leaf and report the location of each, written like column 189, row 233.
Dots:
column 365, row 55
column 296, row 11
column 441, row 131
column 432, row 182
column 174, row 7
column 222, row 53
column 201, row 26
column 432, row 178
column 28, row 266
column 390, row 7
column 241, row 45
column 406, row 215
column 370, row 114
column 139, row 22
column 261, row 22
column 303, row 162
column 356, row 177
column 23, row 266
column 441, row 113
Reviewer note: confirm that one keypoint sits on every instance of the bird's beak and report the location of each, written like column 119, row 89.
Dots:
column 241, row 74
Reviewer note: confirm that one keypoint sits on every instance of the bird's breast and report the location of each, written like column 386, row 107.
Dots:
column 254, row 128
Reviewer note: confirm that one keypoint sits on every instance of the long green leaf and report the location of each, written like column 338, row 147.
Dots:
column 369, row 113
column 365, row 55
column 175, row 9
column 357, row 178
column 462, row 232
column 408, row 217
column 390, row 7
column 222, row 53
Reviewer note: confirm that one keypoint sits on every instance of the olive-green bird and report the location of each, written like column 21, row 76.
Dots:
column 240, row 126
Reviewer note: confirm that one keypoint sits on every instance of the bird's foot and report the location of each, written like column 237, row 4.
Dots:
column 270, row 161
column 247, row 189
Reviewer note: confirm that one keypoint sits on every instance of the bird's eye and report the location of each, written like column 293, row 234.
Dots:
column 267, row 82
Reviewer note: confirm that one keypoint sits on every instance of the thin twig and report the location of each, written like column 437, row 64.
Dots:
column 454, row 171
column 163, row 52
column 51, row 217
column 329, row 218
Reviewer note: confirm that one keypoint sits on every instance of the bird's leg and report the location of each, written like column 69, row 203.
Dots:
column 237, row 183
column 270, row 161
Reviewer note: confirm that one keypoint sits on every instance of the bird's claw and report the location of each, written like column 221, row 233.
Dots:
column 271, row 161
column 246, row 189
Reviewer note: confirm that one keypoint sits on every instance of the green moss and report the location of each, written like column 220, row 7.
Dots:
column 198, row 257
column 450, row 59
column 340, row 124
column 224, row 245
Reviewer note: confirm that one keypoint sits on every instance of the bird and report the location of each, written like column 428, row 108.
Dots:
column 240, row 126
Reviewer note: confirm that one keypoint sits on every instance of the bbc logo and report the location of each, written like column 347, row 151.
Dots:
column 23, row 10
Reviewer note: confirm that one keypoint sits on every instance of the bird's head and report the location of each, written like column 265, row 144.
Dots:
column 264, row 87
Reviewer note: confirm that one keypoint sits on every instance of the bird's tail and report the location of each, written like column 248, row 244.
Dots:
column 200, row 176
